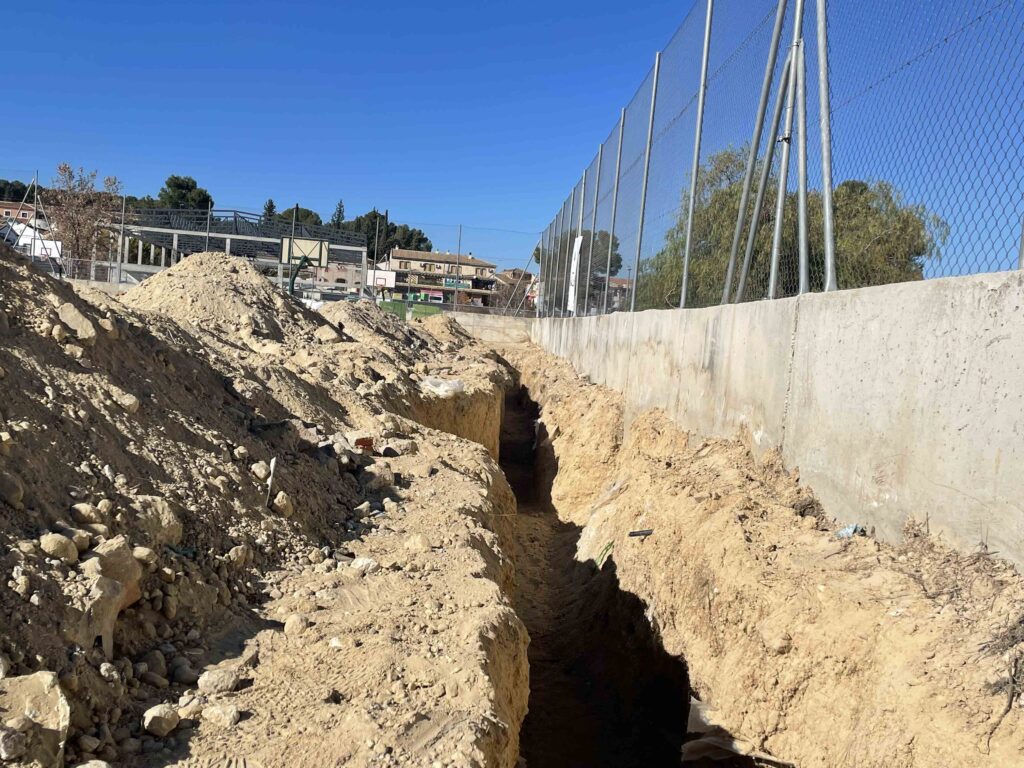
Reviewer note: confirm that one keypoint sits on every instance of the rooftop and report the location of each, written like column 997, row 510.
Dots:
column 440, row 258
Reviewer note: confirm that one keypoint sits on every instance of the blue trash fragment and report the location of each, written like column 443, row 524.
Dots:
column 850, row 531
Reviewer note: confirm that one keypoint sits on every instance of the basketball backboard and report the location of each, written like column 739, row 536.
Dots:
column 317, row 251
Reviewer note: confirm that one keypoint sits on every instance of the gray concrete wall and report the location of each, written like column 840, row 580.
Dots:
column 495, row 329
column 893, row 402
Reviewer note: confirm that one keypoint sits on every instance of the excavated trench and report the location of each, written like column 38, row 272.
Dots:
column 603, row 691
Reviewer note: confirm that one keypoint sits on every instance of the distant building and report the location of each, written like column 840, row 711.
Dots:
column 513, row 276
column 17, row 211
column 515, row 288
column 435, row 277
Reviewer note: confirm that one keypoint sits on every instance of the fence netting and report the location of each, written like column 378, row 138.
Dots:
column 927, row 141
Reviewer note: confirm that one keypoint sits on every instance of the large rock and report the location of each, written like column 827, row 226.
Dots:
column 70, row 315
column 283, row 504
column 39, row 698
column 223, row 680
column 95, row 615
column 59, row 547
column 160, row 720
column 83, row 513
column 222, row 715
column 115, row 559
column 159, row 519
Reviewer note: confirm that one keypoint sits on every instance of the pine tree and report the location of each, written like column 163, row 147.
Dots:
column 338, row 218
column 269, row 210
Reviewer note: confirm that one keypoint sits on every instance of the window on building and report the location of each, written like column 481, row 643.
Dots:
column 403, row 265
column 24, row 214
column 7, row 213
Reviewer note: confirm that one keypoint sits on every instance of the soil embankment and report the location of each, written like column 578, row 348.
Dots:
column 809, row 648
column 223, row 538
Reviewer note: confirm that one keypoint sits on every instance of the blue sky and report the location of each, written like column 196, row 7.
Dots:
column 458, row 112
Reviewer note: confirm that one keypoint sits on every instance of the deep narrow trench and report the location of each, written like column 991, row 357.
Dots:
column 603, row 692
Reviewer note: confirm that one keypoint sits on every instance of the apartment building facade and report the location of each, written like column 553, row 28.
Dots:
column 438, row 277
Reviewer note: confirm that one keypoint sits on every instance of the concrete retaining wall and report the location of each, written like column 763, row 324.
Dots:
column 895, row 401
column 495, row 329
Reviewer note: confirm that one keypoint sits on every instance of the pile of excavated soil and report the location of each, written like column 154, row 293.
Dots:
column 226, row 535
column 819, row 650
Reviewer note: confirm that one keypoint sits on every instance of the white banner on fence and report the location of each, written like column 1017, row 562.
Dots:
column 574, row 269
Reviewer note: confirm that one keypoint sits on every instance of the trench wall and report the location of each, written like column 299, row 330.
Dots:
column 894, row 401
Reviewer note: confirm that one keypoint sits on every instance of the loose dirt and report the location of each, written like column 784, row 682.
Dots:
column 800, row 646
column 234, row 531
column 177, row 618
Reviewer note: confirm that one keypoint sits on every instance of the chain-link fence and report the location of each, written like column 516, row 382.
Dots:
column 923, row 142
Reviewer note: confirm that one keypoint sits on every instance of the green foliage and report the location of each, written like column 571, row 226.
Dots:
column 302, row 216
column 386, row 234
column 14, row 190
column 879, row 239
column 131, row 201
column 269, row 209
column 338, row 217
column 183, row 192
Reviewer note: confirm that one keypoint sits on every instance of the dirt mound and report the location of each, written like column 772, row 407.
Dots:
column 221, row 291
column 818, row 649
column 210, row 478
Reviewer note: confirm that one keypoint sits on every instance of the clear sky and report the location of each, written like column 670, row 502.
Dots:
column 454, row 112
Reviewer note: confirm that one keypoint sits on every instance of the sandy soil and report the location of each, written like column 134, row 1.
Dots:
column 819, row 651
column 235, row 532
column 172, row 615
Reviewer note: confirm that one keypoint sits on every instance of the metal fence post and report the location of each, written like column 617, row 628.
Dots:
column 762, row 185
column 789, row 84
column 701, row 95
column 120, row 241
column 559, row 236
column 643, row 188
column 755, row 145
column 825, row 122
column 801, row 106
column 209, row 216
column 1020, row 254
column 575, row 277
column 593, row 226
column 615, row 206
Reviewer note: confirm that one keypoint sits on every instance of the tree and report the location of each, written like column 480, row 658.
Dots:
column 13, row 191
column 148, row 201
column 879, row 239
column 269, row 209
column 184, row 192
column 387, row 235
column 338, row 217
column 302, row 216
column 80, row 210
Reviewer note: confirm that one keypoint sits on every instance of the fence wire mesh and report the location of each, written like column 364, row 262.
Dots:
column 927, row 140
